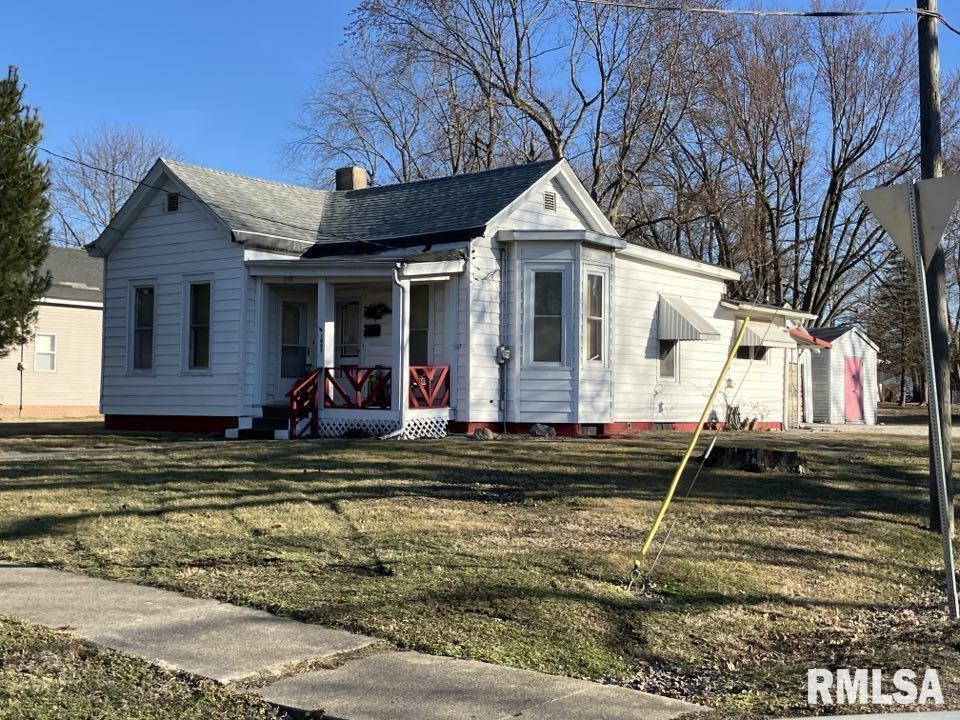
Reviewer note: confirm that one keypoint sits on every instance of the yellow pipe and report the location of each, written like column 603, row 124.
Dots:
column 693, row 440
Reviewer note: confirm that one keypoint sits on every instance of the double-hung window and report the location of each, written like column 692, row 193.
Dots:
column 419, row 324
column 198, row 342
column 143, row 322
column 595, row 316
column 44, row 352
column 548, row 316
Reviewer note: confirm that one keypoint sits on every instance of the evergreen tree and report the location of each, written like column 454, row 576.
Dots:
column 892, row 320
column 24, row 209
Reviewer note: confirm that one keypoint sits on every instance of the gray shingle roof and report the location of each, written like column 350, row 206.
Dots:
column 360, row 219
column 74, row 275
column 254, row 205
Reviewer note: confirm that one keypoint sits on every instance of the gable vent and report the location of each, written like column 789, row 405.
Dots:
column 173, row 202
column 550, row 201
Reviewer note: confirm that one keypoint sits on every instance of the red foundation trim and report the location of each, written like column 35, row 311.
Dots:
column 170, row 423
column 563, row 429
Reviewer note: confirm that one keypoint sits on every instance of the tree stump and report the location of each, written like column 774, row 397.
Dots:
column 757, row 460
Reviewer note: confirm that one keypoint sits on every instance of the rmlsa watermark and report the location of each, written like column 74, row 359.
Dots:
column 863, row 686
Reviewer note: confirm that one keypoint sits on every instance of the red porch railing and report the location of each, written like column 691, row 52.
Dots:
column 363, row 388
column 303, row 403
column 349, row 386
column 429, row 386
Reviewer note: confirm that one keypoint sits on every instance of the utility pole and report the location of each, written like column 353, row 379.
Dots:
column 931, row 166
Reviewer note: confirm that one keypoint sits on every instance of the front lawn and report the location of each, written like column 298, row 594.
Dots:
column 518, row 552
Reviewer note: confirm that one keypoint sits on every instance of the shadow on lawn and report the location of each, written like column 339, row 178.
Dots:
column 261, row 475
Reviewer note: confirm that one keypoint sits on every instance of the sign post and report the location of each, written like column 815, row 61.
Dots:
column 916, row 217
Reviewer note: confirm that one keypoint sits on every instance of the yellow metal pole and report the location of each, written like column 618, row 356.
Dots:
column 693, row 440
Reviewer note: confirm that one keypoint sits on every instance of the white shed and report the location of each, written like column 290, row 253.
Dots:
column 845, row 377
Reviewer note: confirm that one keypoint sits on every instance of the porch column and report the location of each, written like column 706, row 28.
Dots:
column 400, row 336
column 325, row 323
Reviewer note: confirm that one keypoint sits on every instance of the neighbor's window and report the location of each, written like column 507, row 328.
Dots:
column 595, row 317
column 143, row 301
column 669, row 354
column 45, row 352
column 419, row 324
column 199, row 341
column 548, row 317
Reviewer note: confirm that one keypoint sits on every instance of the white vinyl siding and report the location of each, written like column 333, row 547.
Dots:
column 166, row 249
column 483, row 331
column 641, row 395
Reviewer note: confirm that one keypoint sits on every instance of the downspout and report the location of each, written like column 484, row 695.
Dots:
column 502, row 366
column 403, row 403
column 20, row 370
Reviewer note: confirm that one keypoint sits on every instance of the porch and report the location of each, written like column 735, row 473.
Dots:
column 367, row 347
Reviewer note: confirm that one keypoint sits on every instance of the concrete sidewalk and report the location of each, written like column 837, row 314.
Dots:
column 364, row 681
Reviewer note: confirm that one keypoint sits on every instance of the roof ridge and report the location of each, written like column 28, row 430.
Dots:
column 297, row 186
column 422, row 181
column 242, row 176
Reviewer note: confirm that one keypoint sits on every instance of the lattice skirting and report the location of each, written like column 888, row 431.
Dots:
column 425, row 426
column 334, row 428
column 417, row 426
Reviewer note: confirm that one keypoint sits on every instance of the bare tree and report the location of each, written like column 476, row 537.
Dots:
column 84, row 198
column 744, row 142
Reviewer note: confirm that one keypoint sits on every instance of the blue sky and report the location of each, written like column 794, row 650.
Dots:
column 222, row 81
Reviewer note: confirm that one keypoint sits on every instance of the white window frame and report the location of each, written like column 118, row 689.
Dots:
column 132, row 326
column 675, row 378
column 529, row 276
column 188, row 282
column 604, row 273
column 53, row 353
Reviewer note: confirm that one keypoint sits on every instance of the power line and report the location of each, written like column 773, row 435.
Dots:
column 813, row 14
column 210, row 205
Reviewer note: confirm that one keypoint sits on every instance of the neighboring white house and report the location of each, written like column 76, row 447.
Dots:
column 845, row 386
column 57, row 373
column 480, row 300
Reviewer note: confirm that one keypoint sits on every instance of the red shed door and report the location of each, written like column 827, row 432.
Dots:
column 853, row 389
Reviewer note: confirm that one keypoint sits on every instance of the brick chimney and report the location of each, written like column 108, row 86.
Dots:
column 351, row 178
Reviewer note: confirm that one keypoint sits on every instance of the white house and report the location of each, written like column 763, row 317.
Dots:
column 845, row 388
column 500, row 298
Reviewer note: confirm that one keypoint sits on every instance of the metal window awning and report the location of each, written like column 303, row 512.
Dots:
column 678, row 321
column 764, row 334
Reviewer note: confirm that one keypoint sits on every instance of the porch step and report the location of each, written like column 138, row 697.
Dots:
column 255, row 434
column 274, row 419
column 270, row 423
column 275, row 411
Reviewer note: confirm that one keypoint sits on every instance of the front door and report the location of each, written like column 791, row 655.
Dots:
column 853, row 389
column 295, row 361
column 347, row 350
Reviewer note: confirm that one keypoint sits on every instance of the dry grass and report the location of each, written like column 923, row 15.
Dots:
column 51, row 675
column 517, row 552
